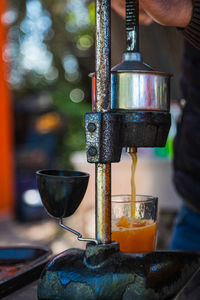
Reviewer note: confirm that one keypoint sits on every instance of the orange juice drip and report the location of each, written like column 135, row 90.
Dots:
column 137, row 238
column 133, row 187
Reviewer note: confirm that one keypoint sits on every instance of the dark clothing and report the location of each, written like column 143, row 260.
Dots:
column 187, row 141
column 192, row 31
column 187, row 157
column 186, row 231
column 190, row 79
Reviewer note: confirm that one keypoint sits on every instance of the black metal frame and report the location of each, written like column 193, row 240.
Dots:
column 107, row 133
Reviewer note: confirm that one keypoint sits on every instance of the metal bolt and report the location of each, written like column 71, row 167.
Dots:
column 92, row 151
column 92, row 127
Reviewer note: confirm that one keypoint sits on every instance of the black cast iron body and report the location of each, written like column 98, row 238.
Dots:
column 107, row 133
column 103, row 273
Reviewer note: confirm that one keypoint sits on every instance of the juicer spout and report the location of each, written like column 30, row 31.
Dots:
column 131, row 149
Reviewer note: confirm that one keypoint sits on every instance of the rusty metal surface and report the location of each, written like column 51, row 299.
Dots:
column 103, row 203
column 103, row 55
column 103, row 66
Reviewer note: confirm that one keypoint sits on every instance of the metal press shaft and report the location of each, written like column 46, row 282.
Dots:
column 103, row 66
column 103, row 101
column 132, row 25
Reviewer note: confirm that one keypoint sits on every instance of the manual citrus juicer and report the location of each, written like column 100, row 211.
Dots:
column 130, row 109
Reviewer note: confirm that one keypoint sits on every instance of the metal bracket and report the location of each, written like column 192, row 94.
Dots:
column 103, row 137
column 108, row 133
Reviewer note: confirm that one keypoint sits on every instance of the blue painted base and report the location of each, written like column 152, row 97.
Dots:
column 105, row 275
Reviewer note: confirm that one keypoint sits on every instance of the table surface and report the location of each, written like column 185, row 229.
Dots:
column 29, row 292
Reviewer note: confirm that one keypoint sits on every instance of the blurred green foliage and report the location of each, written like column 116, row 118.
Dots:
column 74, row 137
column 51, row 49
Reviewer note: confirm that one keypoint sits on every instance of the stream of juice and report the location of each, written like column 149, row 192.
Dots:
column 134, row 235
column 133, row 187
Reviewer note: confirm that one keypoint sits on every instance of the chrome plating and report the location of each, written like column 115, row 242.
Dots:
column 140, row 90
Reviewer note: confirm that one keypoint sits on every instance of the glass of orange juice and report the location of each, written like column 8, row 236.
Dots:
column 134, row 223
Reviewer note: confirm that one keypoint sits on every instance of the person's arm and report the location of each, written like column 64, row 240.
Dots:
column 166, row 12
column 176, row 13
column 184, row 14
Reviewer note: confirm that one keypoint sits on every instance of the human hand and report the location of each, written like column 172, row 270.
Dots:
column 119, row 7
column 166, row 12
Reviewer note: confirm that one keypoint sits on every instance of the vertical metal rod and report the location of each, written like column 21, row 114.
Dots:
column 103, row 203
column 103, row 55
column 103, row 65
column 132, row 25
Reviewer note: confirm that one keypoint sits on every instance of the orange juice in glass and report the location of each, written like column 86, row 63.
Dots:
column 134, row 223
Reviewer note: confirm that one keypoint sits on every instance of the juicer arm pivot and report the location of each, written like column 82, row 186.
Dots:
column 80, row 238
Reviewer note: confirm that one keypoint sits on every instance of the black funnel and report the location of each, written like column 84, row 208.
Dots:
column 61, row 191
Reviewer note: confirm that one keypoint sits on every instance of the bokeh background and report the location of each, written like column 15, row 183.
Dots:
column 47, row 52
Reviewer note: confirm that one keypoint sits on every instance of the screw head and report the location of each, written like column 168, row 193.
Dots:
column 92, row 151
column 91, row 127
